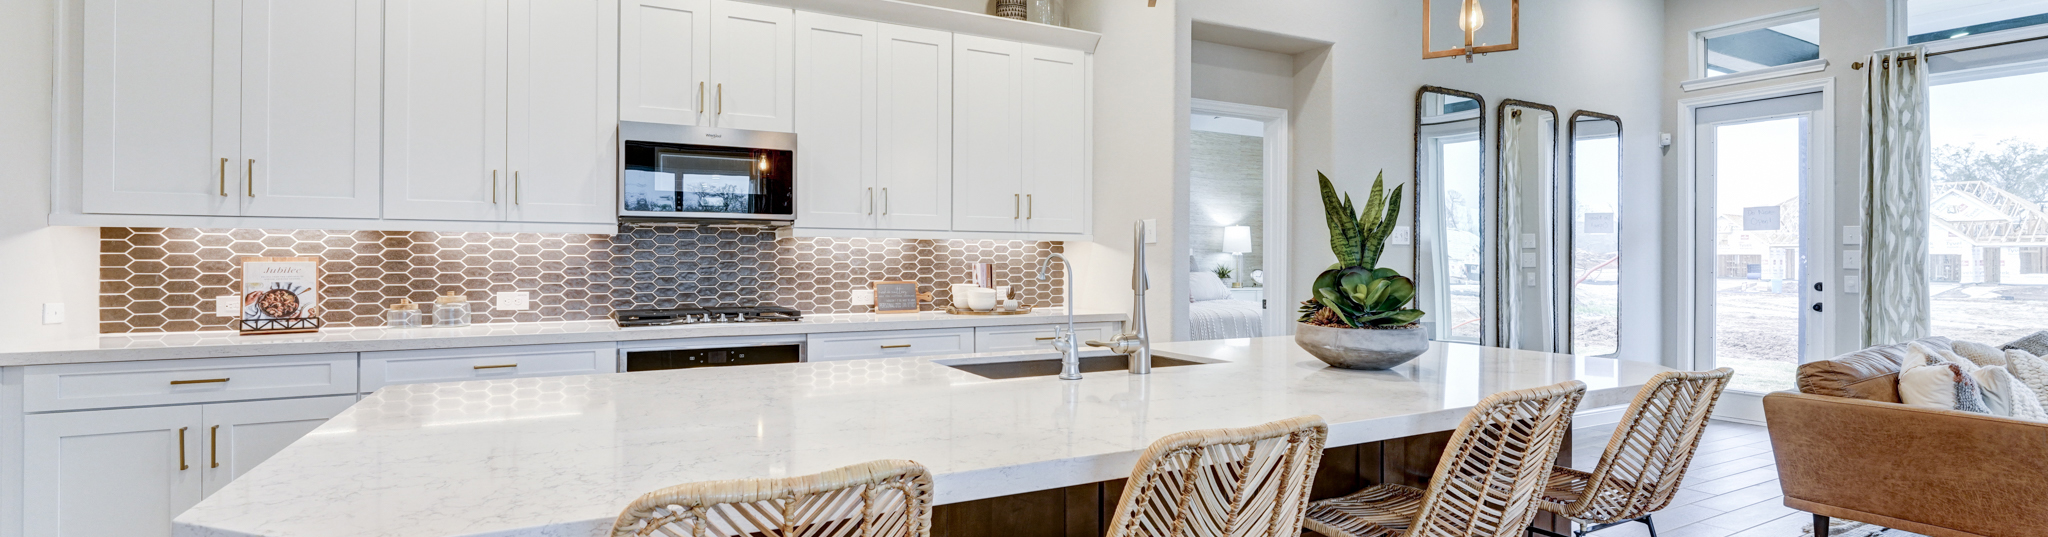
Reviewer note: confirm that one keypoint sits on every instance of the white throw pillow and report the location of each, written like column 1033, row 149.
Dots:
column 1931, row 381
column 1206, row 286
column 2032, row 371
column 1981, row 354
column 2005, row 395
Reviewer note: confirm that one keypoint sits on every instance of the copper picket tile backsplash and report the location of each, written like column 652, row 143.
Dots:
column 163, row 279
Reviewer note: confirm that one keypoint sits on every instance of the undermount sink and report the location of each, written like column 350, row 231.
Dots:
column 1034, row 366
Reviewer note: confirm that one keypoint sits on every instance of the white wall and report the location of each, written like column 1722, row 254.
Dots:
column 1240, row 75
column 1849, row 31
column 38, row 264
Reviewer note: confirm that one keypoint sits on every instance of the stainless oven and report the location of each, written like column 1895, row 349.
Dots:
column 727, row 351
column 680, row 173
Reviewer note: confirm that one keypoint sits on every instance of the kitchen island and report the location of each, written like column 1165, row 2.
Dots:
column 560, row 456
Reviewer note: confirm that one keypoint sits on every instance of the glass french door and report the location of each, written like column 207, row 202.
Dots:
column 1757, row 306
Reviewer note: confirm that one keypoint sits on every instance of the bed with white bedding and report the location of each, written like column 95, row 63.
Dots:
column 1213, row 315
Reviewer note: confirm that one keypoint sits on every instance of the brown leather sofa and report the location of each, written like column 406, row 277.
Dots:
column 1847, row 449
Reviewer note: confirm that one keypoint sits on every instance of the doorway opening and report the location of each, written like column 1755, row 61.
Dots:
column 1237, row 220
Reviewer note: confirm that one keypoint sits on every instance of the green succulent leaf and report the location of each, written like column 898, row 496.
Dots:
column 1345, row 235
column 1389, row 318
column 1376, row 237
column 1355, row 289
column 1391, row 293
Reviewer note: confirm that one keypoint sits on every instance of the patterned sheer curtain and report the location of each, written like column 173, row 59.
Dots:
column 1507, row 331
column 1895, row 175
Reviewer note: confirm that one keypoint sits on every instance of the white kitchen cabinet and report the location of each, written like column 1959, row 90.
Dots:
column 888, row 344
column 1055, row 140
column 914, row 127
column 752, row 67
column 563, row 111
column 161, row 107
column 444, row 110
column 1038, row 337
column 835, row 121
column 199, row 380
column 111, row 472
column 241, row 435
column 664, row 60
column 387, row 368
column 310, row 98
column 987, row 135
column 500, row 110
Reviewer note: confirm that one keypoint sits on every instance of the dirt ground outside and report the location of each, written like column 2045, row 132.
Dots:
column 1757, row 330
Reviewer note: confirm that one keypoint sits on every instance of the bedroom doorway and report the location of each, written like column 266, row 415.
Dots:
column 1237, row 168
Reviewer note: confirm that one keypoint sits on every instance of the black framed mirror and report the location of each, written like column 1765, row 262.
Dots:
column 1447, row 227
column 1593, row 236
column 1523, row 252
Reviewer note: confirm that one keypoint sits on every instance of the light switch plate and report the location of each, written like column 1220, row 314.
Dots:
column 512, row 301
column 1151, row 231
column 1400, row 236
column 1528, row 279
column 1852, row 284
column 1528, row 240
column 1852, row 235
column 53, row 313
column 1528, row 261
column 227, row 306
column 1852, row 259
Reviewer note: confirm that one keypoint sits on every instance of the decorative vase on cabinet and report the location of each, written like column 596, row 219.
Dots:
column 1049, row 12
column 1011, row 9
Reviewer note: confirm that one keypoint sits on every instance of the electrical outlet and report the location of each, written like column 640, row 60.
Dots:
column 863, row 297
column 1151, row 231
column 1400, row 236
column 512, row 301
column 227, row 306
column 53, row 313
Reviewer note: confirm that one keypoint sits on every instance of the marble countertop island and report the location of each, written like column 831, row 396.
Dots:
column 560, row 456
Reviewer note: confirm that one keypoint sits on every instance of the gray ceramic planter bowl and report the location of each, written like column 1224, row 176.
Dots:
column 1362, row 348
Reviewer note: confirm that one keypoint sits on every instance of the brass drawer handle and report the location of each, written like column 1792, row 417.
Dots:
column 249, row 178
column 213, row 447
column 700, row 97
column 494, row 186
column 1047, row 338
column 198, row 381
column 499, row 366
column 181, row 450
column 1016, row 206
column 1030, row 208
column 906, row 346
column 223, row 177
column 721, row 98
column 515, row 187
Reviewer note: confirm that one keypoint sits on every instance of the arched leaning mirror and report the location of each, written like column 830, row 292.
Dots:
column 1449, row 230
column 1524, row 252
column 1594, row 288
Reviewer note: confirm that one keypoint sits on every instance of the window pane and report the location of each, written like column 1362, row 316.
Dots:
column 1787, row 43
column 1935, row 20
column 1759, row 169
column 1988, row 245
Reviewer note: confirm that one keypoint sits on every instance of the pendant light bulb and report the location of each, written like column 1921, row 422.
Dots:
column 1474, row 17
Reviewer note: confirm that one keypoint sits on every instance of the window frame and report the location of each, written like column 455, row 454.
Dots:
column 1696, row 63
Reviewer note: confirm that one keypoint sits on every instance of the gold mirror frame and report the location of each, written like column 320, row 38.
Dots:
column 1514, row 35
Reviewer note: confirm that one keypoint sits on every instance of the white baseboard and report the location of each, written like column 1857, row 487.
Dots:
column 1598, row 417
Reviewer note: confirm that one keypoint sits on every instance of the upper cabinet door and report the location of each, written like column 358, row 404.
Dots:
column 161, row 107
column 444, row 110
column 664, row 61
column 146, row 461
column 835, row 119
column 752, row 64
column 310, row 98
column 563, row 112
column 914, row 127
column 241, row 435
column 1055, row 140
column 987, row 135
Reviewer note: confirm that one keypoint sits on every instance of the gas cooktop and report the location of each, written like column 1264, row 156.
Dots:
column 713, row 315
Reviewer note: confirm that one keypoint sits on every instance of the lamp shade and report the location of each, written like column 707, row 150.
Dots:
column 1237, row 239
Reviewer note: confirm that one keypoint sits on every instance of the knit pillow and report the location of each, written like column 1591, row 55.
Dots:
column 2006, row 396
column 2031, row 371
column 1983, row 355
column 1931, row 381
column 2035, row 343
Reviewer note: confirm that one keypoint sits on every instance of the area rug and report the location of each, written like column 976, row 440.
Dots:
column 1849, row 528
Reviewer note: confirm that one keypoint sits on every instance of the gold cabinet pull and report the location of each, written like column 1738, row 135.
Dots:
column 499, row 366
column 885, row 201
column 1030, row 207
column 223, row 177
column 249, row 178
column 213, row 447
column 198, row 381
column 1016, row 206
column 181, row 450
column 871, row 200
column 515, row 187
column 700, row 96
column 905, row 346
column 721, row 98
column 494, row 186
column 1047, row 338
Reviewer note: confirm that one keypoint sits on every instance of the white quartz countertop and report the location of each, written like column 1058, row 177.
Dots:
column 561, row 456
column 213, row 344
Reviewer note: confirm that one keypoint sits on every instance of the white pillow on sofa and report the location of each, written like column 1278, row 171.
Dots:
column 2005, row 395
column 1983, row 355
column 1931, row 380
column 1206, row 286
column 2032, row 371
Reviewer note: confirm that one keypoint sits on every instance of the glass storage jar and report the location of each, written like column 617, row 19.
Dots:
column 404, row 314
column 451, row 310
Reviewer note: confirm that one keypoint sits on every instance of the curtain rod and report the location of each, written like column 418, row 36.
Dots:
column 1887, row 60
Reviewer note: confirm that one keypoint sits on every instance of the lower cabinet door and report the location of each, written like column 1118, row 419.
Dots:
column 240, row 436
column 888, row 344
column 111, row 472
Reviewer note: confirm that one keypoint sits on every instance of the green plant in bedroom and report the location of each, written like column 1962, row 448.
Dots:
column 1354, row 292
column 1358, row 316
column 1222, row 272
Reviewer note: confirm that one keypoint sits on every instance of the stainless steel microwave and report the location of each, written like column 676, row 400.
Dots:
column 682, row 173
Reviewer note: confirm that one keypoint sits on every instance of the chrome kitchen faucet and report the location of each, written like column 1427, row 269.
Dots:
column 1135, row 343
column 1070, row 350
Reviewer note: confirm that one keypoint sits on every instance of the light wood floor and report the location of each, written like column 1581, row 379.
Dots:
column 1731, row 490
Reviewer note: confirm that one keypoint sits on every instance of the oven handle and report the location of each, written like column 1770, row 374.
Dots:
column 803, row 349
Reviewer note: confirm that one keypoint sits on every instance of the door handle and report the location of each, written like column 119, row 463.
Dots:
column 223, row 177
column 871, row 200
column 1016, row 206
column 1030, row 207
column 181, row 450
column 721, row 98
column 213, row 447
column 494, row 186
column 249, row 178
column 885, row 201
column 515, row 187
column 700, row 96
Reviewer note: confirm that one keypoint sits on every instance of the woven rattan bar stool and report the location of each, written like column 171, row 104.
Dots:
column 1646, row 458
column 874, row 499
column 1487, row 485
column 1244, row 482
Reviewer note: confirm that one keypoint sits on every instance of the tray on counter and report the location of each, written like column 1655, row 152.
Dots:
column 1021, row 310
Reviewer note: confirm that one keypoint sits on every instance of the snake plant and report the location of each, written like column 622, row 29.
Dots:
column 1354, row 292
